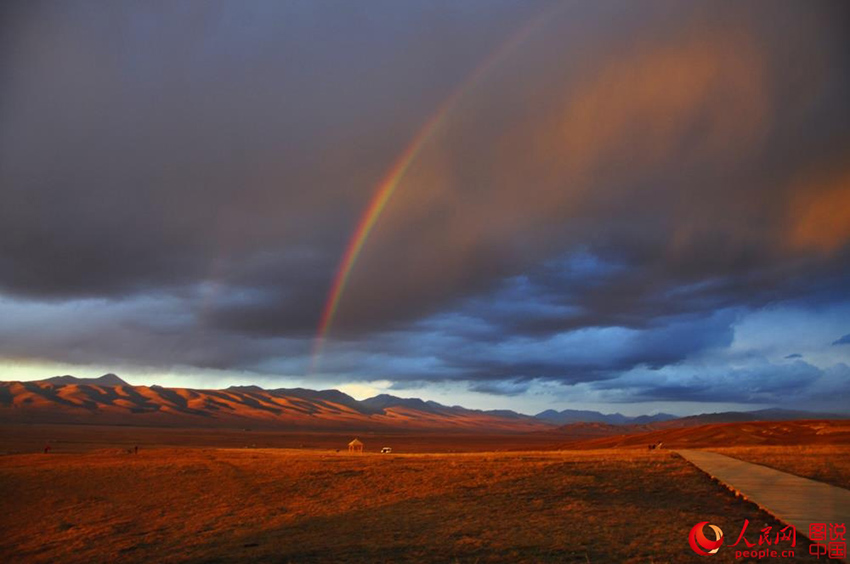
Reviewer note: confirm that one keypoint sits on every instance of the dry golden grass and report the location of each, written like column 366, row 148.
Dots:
column 277, row 505
column 826, row 463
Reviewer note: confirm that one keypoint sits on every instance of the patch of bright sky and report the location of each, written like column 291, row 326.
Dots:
column 583, row 264
column 782, row 330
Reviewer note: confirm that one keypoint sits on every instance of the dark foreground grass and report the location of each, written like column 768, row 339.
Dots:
column 210, row 505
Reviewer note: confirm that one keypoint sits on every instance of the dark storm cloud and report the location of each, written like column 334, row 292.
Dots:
column 610, row 195
column 154, row 332
column 682, row 160
column 845, row 340
column 143, row 145
column 500, row 388
column 593, row 353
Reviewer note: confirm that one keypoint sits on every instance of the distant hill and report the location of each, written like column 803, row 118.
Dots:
column 572, row 421
column 384, row 401
column 718, row 435
column 772, row 414
column 625, row 434
column 111, row 401
column 109, row 380
column 581, row 416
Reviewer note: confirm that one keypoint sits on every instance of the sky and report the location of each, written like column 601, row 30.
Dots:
column 621, row 206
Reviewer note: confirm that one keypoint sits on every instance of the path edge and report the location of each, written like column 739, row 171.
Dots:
column 739, row 494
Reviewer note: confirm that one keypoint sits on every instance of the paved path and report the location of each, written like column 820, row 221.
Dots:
column 794, row 500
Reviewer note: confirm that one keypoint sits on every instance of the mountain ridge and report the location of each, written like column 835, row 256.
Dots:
column 109, row 379
column 110, row 400
column 584, row 416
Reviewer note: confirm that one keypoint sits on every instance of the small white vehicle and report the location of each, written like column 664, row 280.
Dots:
column 386, row 450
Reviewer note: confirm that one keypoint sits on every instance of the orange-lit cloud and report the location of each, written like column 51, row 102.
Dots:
column 700, row 95
column 503, row 180
column 820, row 214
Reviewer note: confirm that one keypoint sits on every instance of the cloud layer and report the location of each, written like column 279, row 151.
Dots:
column 603, row 208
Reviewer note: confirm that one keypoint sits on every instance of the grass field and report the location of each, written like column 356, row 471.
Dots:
column 825, row 463
column 25, row 438
column 280, row 505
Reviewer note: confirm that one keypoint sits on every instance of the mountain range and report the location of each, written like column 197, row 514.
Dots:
column 112, row 401
column 582, row 416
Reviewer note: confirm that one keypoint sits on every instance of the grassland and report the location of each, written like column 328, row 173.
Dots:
column 283, row 505
column 825, row 463
column 27, row 438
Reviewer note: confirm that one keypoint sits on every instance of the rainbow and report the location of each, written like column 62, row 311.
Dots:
column 393, row 178
column 367, row 222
